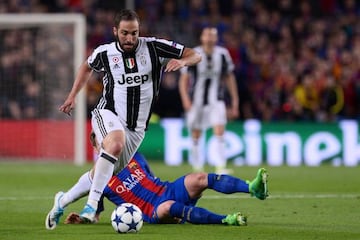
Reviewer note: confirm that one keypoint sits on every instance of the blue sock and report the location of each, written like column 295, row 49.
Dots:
column 227, row 184
column 195, row 215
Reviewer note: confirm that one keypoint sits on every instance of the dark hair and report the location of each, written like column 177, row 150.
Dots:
column 92, row 139
column 125, row 15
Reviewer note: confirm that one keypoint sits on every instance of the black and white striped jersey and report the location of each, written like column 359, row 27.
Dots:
column 206, row 77
column 132, row 80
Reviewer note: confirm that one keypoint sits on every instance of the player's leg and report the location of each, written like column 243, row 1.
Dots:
column 258, row 186
column 80, row 189
column 194, row 124
column 217, row 118
column 196, row 183
column 228, row 184
column 221, row 161
column 171, row 212
column 103, row 172
column 110, row 133
column 132, row 142
column 178, row 203
column 83, row 185
column 52, row 218
column 197, row 160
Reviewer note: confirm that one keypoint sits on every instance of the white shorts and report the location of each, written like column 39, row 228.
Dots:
column 202, row 117
column 104, row 121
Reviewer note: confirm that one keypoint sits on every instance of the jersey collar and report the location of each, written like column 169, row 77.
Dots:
column 117, row 45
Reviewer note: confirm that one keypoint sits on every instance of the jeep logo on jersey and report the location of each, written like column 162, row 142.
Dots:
column 133, row 79
column 130, row 62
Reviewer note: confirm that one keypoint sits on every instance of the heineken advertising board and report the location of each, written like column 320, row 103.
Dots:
column 253, row 143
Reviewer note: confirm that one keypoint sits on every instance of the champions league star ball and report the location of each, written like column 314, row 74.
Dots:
column 127, row 218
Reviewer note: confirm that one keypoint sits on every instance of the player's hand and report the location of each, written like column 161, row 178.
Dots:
column 73, row 218
column 174, row 65
column 187, row 105
column 67, row 106
column 234, row 113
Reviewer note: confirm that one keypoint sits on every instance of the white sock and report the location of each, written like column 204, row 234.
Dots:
column 103, row 172
column 220, row 149
column 196, row 160
column 80, row 189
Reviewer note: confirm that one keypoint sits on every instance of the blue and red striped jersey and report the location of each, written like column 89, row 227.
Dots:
column 136, row 184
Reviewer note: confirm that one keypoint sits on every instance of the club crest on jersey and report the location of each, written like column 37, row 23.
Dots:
column 143, row 60
column 132, row 165
column 130, row 63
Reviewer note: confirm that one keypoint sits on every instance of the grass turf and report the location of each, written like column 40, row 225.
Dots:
column 304, row 203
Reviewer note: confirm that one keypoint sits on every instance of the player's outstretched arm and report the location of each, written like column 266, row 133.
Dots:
column 190, row 57
column 80, row 80
column 233, row 91
column 183, row 90
column 74, row 218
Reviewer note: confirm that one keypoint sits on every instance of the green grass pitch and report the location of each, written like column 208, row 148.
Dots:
column 304, row 203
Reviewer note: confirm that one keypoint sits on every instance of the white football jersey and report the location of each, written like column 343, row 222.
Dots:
column 206, row 87
column 132, row 80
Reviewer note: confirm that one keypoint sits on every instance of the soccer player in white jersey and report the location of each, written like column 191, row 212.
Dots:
column 202, row 93
column 132, row 68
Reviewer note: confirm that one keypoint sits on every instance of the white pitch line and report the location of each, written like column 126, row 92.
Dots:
column 232, row 196
column 10, row 198
column 290, row 196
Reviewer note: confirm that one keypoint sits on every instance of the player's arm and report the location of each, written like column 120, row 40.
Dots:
column 82, row 76
column 233, row 91
column 189, row 57
column 183, row 90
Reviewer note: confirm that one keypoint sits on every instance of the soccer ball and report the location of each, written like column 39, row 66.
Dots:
column 127, row 218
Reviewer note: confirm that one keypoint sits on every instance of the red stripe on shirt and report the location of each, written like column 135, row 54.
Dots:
column 118, row 187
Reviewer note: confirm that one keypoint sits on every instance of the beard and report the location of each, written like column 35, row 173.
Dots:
column 127, row 47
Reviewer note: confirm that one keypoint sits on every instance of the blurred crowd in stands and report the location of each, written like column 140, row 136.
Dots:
column 296, row 60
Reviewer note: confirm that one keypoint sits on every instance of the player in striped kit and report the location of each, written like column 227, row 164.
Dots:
column 163, row 201
column 174, row 202
column 202, row 93
column 132, row 68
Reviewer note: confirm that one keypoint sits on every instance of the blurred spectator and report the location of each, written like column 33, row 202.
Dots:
column 30, row 102
column 331, row 100
column 93, row 92
column 168, row 104
column 273, row 43
column 307, row 97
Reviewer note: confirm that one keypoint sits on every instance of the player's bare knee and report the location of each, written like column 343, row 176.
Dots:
column 200, row 179
column 112, row 146
column 167, row 206
column 163, row 210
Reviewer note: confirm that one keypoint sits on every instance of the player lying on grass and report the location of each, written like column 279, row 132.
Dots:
column 171, row 202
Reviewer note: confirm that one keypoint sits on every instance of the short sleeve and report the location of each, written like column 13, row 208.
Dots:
column 168, row 49
column 229, row 61
column 95, row 61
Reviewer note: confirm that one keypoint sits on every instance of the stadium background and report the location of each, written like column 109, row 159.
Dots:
column 297, row 62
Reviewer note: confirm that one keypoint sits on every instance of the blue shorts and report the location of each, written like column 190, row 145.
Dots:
column 177, row 192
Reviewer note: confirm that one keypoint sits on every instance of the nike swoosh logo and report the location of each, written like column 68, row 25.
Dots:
column 49, row 225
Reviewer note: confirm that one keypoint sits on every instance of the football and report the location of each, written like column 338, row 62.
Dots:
column 127, row 218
